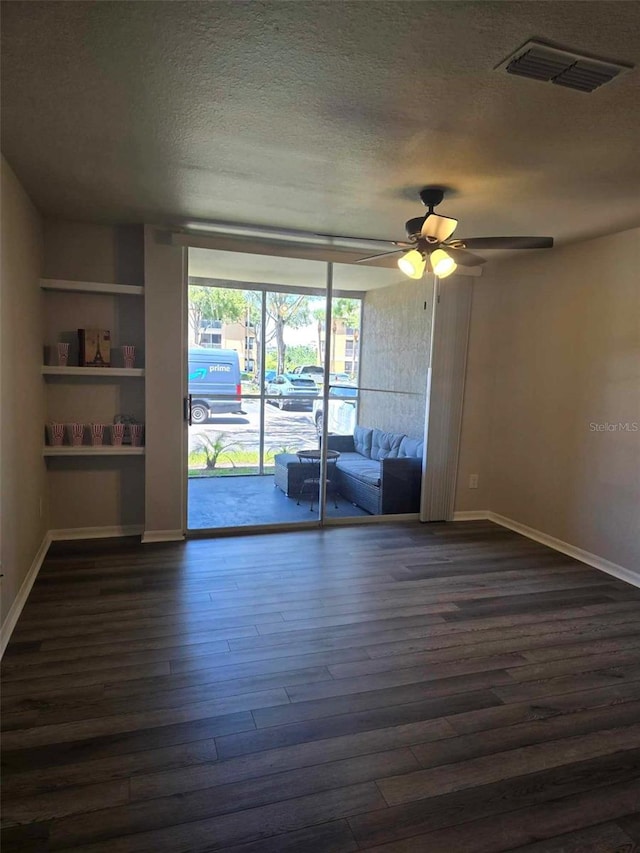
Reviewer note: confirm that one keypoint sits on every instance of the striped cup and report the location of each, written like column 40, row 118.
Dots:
column 129, row 355
column 117, row 434
column 136, row 431
column 56, row 434
column 97, row 433
column 76, row 434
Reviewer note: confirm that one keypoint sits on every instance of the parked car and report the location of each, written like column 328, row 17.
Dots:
column 310, row 371
column 339, row 378
column 289, row 389
column 214, row 383
column 315, row 372
column 343, row 411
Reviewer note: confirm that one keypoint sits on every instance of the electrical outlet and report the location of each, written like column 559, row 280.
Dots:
column 473, row 481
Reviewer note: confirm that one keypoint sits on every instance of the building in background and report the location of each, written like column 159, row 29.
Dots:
column 345, row 343
column 240, row 337
column 208, row 335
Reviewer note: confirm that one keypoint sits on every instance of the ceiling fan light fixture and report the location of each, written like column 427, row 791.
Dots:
column 442, row 263
column 412, row 264
column 437, row 228
column 423, row 252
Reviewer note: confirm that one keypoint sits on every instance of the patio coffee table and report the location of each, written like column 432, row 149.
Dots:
column 315, row 455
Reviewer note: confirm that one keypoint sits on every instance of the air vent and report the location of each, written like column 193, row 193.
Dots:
column 539, row 61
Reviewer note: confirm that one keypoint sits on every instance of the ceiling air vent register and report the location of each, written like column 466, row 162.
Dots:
column 539, row 61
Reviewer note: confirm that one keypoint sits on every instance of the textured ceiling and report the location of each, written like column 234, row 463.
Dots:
column 326, row 116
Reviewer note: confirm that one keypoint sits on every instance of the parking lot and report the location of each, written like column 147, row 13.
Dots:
column 290, row 428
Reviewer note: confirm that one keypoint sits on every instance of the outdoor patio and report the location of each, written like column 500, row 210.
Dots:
column 249, row 500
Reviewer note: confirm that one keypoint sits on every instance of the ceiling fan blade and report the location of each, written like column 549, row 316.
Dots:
column 377, row 257
column 464, row 259
column 351, row 237
column 437, row 228
column 506, row 243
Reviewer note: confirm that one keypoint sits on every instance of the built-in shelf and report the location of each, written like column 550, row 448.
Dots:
column 102, row 372
column 90, row 450
column 91, row 287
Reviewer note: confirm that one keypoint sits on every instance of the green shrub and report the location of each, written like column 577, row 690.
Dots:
column 215, row 447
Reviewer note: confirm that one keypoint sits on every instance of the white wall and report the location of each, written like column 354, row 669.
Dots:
column 165, row 268
column 554, row 348
column 23, row 490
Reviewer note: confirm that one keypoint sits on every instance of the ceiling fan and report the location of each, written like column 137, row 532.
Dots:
column 430, row 245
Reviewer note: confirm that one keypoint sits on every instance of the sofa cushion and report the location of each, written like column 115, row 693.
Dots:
column 362, row 441
column 384, row 445
column 355, row 465
column 410, row 447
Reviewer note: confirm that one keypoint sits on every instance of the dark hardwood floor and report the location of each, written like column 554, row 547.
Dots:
column 450, row 688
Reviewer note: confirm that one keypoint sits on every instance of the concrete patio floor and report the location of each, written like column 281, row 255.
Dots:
column 249, row 500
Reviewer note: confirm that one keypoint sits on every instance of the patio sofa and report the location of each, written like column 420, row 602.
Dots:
column 290, row 473
column 378, row 471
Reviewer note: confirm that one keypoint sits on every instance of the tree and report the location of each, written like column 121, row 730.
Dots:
column 320, row 315
column 285, row 309
column 300, row 354
column 253, row 315
column 271, row 360
column 347, row 310
column 289, row 310
column 214, row 303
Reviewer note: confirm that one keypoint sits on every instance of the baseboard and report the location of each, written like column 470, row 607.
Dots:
column 472, row 515
column 21, row 598
column 620, row 572
column 95, row 532
column 150, row 536
column 597, row 562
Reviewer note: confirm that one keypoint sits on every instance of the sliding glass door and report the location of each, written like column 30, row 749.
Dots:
column 253, row 331
column 307, row 386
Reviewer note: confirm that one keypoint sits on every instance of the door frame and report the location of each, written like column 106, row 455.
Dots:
column 444, row 381
column 264, row 288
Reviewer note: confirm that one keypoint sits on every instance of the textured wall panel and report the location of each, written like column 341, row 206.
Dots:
column 396, row 340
